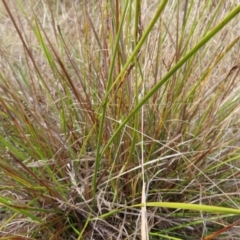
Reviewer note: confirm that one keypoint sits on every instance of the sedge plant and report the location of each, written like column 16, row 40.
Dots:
column 119, row 119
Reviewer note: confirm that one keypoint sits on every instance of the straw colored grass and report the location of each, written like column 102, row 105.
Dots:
column 119, row 119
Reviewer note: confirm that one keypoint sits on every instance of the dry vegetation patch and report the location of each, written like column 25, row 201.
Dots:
column 106, row 105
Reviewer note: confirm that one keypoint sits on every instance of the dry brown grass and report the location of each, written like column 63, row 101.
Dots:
column 54, row 68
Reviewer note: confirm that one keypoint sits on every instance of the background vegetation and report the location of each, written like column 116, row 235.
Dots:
column 119, row 119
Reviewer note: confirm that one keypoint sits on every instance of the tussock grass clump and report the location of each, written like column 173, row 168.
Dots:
column 119, row 120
